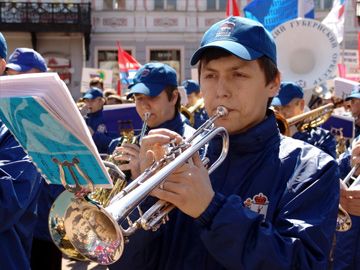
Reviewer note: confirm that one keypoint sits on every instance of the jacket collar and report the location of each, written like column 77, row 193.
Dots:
column 176, row 124
column 254, row 139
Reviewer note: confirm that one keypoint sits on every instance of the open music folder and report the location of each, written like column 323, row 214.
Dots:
column 40, row 112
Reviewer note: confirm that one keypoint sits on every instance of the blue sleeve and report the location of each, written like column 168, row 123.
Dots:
column 20, row 181
column 299, row 236
column 102, row 141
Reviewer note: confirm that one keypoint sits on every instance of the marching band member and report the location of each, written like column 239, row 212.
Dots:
column 94, row 103
column 44, row 254
column 347, row 249
column 273, row 202
column 354, row 99
column 20, row 186
column 155, row 92
column 193, row 93
column 290, row 102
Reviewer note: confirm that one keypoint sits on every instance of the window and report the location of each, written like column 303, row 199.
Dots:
column 216, row 5
column 170, row 57
column 164, row 4
column 114, row 4
column 323, row 4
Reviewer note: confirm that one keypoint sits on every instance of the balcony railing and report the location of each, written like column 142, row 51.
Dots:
column 45, row 17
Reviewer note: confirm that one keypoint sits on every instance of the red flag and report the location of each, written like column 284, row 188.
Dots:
column 128, row 66
column 232, row 8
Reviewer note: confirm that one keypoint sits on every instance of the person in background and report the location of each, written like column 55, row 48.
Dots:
column 97, row 82
column 273, row 201
column 354, row 100
column 347, row 243
column 94, row 103
column 195, row 102
column 289, row 103
column 20, row 186
column 25, row 60
column 114, row 99
column 155, row 92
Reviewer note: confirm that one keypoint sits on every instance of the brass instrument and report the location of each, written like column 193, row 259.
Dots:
column 100, row 196
column 306, row 120
column 94, row 230
column 189, row 111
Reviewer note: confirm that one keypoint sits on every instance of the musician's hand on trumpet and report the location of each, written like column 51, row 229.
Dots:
column 188, row 187
column 128, row 154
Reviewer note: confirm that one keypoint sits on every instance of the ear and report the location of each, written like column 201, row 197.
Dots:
column 274, row 86
column 302, row 104
column 175, row 96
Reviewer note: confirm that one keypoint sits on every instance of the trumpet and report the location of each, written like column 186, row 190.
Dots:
column 306, row 120
column 189, row 112
column 94, row 230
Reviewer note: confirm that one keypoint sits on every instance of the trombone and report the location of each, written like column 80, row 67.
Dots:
column 94, row 230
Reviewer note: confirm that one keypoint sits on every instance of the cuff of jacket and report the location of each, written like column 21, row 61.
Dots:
column 206, row 218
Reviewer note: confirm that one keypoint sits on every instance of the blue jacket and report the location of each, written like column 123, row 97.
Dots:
column 101, row 137
column 275, row 207
column 347, row 249
column 200, row 116
column 20, row 185
column 179, row 124
column 319, row 137
column 48, row 194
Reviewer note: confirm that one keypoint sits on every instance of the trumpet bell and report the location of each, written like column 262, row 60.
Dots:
column 57, row 228
column 93, row 232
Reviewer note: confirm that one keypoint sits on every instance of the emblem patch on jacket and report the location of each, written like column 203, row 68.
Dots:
column 101, row 128
column 259, row 204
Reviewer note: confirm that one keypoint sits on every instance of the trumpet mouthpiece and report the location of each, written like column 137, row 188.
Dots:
column 221, row 111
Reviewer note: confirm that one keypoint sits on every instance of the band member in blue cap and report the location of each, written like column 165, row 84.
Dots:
column 289, row 103
column 44, row 254
column 94, row 103
column 195, row 101
column 347, row 250
column 272, row 203
column 25, row 60
column 354, row 99
column 155, row 92
column 20, row 185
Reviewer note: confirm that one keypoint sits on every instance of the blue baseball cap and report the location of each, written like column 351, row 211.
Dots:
column 152, row 78
column 191, row 86
column 244, row 38
column 288, row 91
column 355, row 93
column 24, row 59
column 3, row 46
column 93, row 93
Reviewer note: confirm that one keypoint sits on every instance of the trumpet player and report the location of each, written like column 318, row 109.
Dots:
column 290, row 102
column 156, row 95
column 271, row 204
column 347, row 249
column 194, row 96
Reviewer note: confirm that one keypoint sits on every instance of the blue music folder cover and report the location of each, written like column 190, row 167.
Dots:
column 44, row 137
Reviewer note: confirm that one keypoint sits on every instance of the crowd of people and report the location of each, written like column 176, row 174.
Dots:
column 273, row 203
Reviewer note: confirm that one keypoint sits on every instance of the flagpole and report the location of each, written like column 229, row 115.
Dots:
column 301, row 12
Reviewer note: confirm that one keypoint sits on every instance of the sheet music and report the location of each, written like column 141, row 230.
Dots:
column 46, row 122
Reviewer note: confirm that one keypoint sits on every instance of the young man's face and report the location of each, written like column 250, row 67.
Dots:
column 293, row 108
column 238, row 85
column 14, row 72
column 94, row 105
column 159, row 107
column 355, row 110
